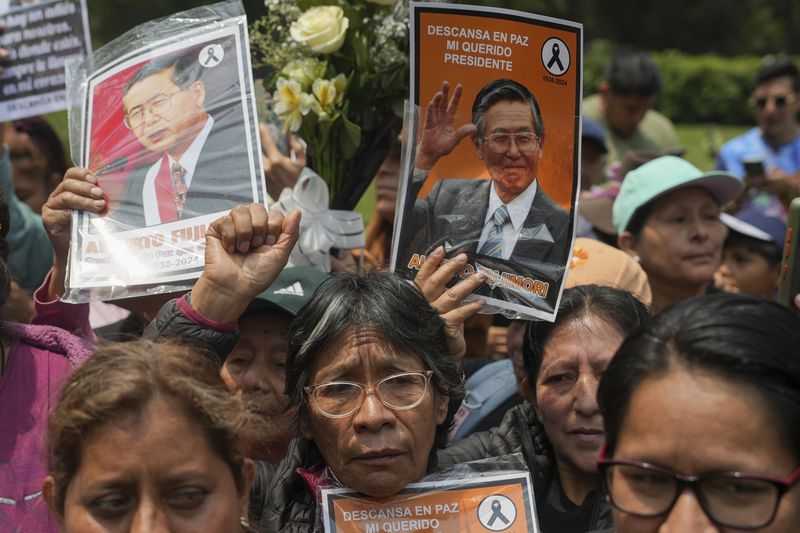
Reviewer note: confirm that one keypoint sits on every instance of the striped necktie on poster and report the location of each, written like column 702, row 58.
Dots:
column 179, row 189
column 494, row 241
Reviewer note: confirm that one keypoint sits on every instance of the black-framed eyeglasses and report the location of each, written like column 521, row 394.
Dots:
column 730, row 499
column 158, row 105
column 780, row 100
column 339, row 399
column 500, row 143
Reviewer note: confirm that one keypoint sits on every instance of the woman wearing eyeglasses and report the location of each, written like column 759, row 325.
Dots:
column 371, row 374
column 370, row 369
column 702, row 417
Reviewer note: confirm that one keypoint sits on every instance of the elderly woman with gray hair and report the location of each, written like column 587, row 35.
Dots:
column 371, row 374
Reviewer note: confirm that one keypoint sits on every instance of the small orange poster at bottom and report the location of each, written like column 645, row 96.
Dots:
column 502, row 502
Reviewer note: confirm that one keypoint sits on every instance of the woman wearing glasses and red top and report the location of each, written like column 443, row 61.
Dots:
column 702, row 419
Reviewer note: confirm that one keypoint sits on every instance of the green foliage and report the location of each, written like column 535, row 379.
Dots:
column 726, row 27
column 109, row 19
column 695, row 88
column 706, row 88
column 595, row 58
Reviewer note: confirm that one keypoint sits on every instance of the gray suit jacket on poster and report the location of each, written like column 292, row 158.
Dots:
column 221, row 177
column 453, row 214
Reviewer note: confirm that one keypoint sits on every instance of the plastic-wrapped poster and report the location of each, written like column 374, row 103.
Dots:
column 165, row 118
column 490, row 163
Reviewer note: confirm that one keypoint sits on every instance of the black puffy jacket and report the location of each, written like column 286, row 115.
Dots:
column 521, row 432
column 283, row 503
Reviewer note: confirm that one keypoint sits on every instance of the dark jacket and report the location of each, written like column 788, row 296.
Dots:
column 520, row 431
column 172, row 321
column 281, row 501
column 455, row 209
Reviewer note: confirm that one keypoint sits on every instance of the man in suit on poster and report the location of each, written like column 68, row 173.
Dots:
column 203, row 165
column 507, row 217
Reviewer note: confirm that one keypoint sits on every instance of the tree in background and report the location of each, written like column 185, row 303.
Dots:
column 725, row 27
column 109, row 19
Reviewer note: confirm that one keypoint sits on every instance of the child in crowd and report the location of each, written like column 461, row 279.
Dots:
column 751, row 260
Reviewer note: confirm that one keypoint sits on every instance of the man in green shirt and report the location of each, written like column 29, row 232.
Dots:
column 624, row 108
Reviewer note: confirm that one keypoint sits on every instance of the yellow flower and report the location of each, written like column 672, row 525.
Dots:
column 340, row 84
column 325, row 91
column 291, row 103
column 310, row 103
column 322, row 28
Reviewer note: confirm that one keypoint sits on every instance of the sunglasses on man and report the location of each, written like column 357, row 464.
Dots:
column 780, row 100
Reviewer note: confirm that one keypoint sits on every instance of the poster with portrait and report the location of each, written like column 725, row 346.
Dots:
column 490, row 160
column 169, row 129
column 40, row 36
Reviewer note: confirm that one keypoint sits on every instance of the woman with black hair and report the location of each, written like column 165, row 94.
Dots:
column 561, row 433
column 702, row 414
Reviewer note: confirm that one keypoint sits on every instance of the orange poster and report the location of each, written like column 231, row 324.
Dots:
column 491, row 161
column 501, row 502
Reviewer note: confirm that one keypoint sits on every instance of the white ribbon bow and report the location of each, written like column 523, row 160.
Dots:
column 320, row 228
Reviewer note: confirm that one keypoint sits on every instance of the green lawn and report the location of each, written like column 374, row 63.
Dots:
column 702, row 141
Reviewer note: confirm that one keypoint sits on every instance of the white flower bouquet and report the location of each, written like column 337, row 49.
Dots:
column 337, row 75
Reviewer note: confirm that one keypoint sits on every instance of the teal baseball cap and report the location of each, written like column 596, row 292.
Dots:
column 290, row 291
column 665, row 174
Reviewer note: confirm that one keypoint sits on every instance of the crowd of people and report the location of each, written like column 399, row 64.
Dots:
column 665, row 396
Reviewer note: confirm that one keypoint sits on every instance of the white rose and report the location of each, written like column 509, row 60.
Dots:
column 322, row 28
column 383, row 2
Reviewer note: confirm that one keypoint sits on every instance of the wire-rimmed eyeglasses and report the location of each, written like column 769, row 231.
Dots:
column 158, row 105
column 339, row 399
column 500, row 143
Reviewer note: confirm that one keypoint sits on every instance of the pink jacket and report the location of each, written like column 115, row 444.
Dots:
column 40, row 361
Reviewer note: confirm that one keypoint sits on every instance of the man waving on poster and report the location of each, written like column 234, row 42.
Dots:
column 507, row 217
